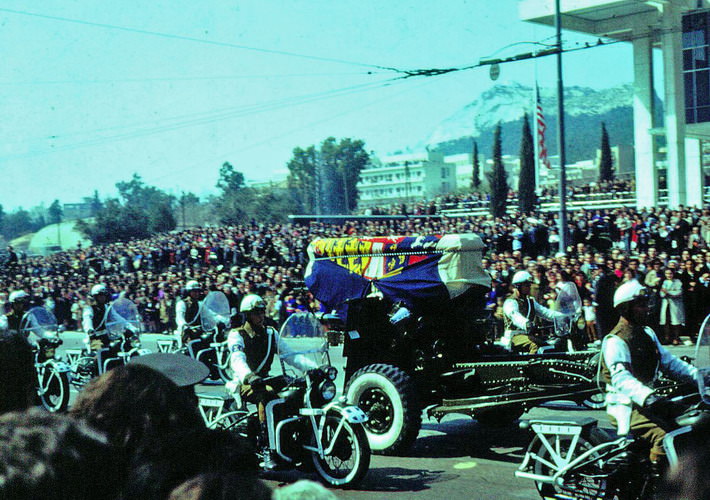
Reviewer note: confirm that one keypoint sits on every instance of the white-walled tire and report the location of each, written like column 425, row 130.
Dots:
column 388, row 396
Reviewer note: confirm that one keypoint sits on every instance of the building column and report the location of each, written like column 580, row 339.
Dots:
column 644, row 152
column 694, row 180
column 674, row 105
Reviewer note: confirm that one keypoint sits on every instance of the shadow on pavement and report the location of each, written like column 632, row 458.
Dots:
column 400, row 479
column 467, row 438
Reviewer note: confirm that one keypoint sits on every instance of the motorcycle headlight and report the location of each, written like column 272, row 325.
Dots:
column 327, row 390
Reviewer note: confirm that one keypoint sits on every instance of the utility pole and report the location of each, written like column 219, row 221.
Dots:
column 561, row 131
column 182, row 206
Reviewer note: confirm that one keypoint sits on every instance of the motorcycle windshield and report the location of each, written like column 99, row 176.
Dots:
column 39, row 322
column 568, row 303
column 303, row 344
column 123, row 316
column 215, row 310
column 702, row 360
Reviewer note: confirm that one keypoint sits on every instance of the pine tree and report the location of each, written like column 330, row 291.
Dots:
column 476, row 174
column 526, row 180
column 497, row 178
column 606, row 163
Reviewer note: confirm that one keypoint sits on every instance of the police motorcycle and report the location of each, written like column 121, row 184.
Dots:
column 572, row 458
column 308, row 427
column 566, row 334
column 210, row 346
column 41, row 329
column 121, row 325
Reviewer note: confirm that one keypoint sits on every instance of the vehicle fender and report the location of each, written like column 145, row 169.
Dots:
column 352, row 414
column 60, row 366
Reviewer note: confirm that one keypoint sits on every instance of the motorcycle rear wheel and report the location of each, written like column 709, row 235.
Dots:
column 54, row 391
column 585, row 484
column 349, row 459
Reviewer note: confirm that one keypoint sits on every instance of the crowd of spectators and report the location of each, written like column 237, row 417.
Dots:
column 478, row 200
column 667, row 249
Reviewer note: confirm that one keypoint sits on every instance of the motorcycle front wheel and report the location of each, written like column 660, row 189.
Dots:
column 54, row 390
column 347, row 456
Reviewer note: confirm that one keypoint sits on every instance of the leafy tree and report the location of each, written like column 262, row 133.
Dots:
column 302, row 178
column 606, row 164
column 497, row 179
column 526, row 180
column 2, row 220
column 17, row 223
column 95, row 204
column 55, row 212
column 232, row 205
column 336, row 166
column 476, row 174
column 116, row 222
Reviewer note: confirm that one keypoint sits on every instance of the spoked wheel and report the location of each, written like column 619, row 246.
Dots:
column 556, row 453
column 347, row 453
column 54, row 390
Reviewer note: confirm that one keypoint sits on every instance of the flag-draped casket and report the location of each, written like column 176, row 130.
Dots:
column 415, row 270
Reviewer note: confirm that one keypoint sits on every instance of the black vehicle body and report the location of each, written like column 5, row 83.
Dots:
column 438, row 355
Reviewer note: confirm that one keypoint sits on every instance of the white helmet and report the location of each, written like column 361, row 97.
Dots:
column 97, row 289
column 192, row 285
column 251, row 302
column 17, row 295
column 522, row 277
column 628, row 291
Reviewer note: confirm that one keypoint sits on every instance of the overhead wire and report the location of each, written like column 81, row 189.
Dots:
column 173, row 36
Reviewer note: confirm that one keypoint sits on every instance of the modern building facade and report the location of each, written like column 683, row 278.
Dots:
column 679, row 29
column 404, row 178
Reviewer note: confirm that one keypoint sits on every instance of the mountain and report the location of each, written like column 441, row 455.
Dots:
column 585, row 110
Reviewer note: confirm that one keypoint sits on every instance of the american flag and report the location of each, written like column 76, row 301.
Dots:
column 541, row 127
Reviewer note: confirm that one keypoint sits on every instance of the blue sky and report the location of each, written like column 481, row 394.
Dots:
column 95, row 91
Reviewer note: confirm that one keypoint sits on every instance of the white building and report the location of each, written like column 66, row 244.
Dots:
column 680, row 29
column 406, row 177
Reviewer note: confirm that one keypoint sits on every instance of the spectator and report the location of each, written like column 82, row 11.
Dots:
column 672, row 316
column 49, row 456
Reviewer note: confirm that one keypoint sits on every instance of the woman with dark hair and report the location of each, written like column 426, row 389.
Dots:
column 149, row 413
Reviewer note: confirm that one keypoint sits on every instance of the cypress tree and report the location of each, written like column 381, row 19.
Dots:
column 497, row 178
column 476, row 174
column 526, row 180
column 606, row 163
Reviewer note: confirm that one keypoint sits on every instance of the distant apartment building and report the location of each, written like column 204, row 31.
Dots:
column 74, row 211
column 406, row 177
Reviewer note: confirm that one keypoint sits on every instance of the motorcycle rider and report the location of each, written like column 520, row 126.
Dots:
column 631, row 358
column 94, row 317
column 519, row 313
column 19, row 300
column 252, row 348
column 187, row 312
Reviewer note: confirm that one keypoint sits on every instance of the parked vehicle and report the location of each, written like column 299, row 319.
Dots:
column 573, row 458
column 308, row 427
column 210, row 347
column 41, row 329
column 418, row 336
column 122, row 327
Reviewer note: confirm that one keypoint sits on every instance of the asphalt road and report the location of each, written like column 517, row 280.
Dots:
column 453, row 459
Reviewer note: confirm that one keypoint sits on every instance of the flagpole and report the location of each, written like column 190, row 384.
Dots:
column 561, row 132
